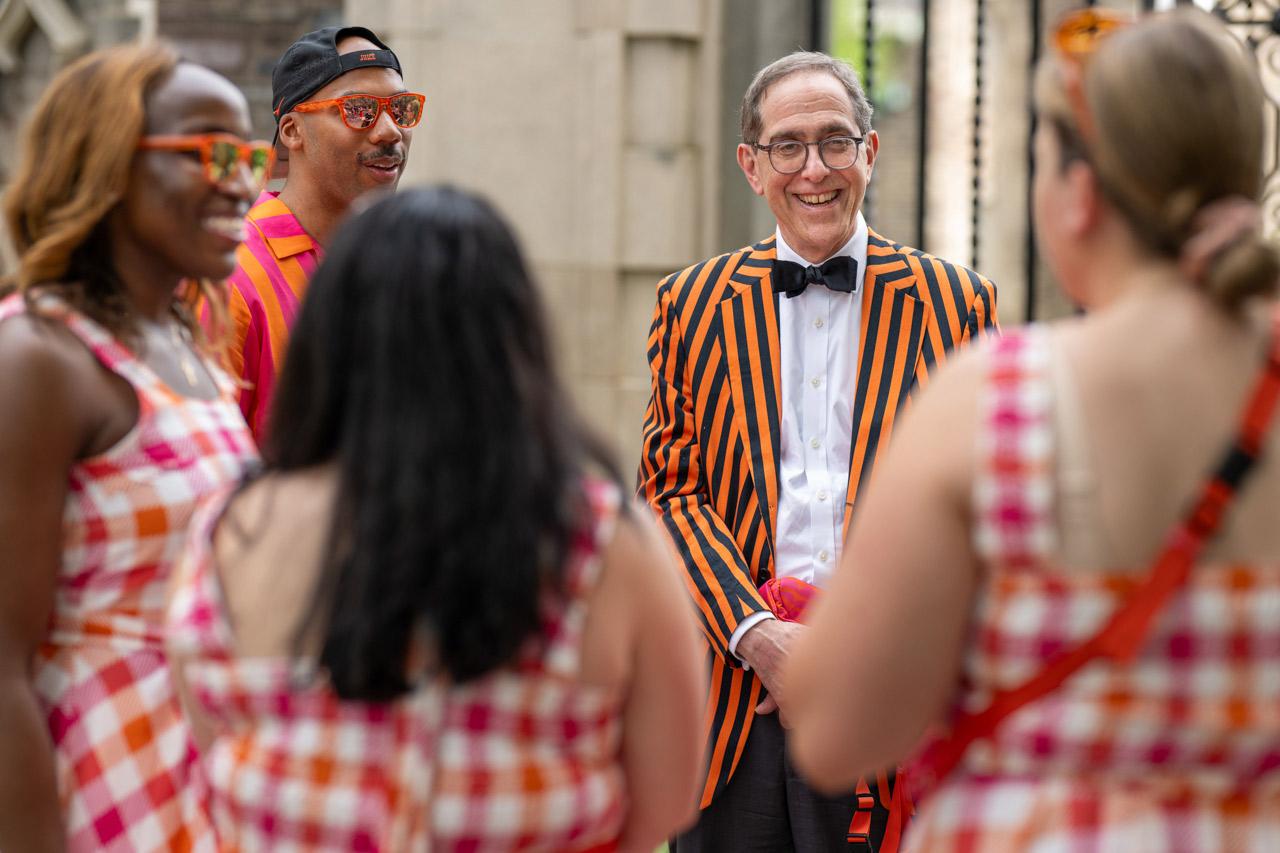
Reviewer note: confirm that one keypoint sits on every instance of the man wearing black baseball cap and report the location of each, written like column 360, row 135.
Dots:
column 344, row 120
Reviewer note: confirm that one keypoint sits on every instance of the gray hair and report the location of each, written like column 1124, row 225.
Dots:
column 795, row 63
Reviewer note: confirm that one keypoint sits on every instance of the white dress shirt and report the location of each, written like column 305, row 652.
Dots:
column 818, row 335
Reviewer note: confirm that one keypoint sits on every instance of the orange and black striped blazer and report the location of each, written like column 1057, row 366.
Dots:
column 710, row 453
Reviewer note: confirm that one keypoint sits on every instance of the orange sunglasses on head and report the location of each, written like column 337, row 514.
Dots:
column 1075, row 39
column 360, row 112
column 221, row 154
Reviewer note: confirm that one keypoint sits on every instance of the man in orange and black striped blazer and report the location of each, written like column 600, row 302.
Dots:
column 777, row 373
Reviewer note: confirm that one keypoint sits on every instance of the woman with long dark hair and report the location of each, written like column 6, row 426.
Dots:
column 422, row 625
column 127, row 202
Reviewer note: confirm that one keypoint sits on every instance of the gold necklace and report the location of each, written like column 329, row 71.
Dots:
column 184, row 354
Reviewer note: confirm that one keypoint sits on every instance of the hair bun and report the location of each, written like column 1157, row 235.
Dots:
column 1245, row 268
column 1226, row 254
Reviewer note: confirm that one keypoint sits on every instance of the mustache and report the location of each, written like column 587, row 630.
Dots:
column 389, row 152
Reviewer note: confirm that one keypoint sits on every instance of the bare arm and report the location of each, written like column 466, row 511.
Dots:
column 40, row 437
column 662, row 733
column 882, row 656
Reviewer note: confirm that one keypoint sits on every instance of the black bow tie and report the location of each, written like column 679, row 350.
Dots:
column 840, row 273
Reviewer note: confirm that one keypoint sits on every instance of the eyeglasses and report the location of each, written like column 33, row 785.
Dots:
column 221, row 154
column 359, row 112
column 1075, row 39
column 789, row 156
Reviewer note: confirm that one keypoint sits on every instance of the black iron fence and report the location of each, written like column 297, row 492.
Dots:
column 906, row 53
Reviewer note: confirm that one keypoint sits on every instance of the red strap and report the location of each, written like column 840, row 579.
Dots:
column 895, row 799
column 900, row 809
column 1123, row 635
column 860, row 826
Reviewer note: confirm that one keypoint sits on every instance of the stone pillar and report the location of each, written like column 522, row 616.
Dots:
column 1003, row 175
column 949, row 183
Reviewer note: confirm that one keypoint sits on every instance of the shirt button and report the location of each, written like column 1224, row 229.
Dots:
column 819, row 323
column 822, row 556
column 822, row 496
column 815, row 381
column 814, row 443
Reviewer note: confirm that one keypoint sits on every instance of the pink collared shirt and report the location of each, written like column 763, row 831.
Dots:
column 273, row 267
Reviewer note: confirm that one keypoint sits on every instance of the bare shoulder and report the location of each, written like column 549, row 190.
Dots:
column 45, row 368
column 278, row 511
column 637, row 585
column 630, row 555
column 39, row 343
column 269, row 548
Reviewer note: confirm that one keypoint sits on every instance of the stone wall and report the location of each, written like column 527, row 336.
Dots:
column 603, row 129
column 38, row 37
column 243, row 39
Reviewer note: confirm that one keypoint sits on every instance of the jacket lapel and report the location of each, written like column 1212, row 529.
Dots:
column 893, row 324
column 749, row 329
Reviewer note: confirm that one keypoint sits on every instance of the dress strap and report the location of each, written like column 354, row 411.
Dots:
column 1124, row 633
column 1013, row 487
column 113, row 353
column 564, row 649
column 1080, row 536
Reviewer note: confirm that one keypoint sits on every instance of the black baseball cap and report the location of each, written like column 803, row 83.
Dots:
column 313, row 61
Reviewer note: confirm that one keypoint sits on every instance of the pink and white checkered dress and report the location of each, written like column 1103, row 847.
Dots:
column 526, row 758
column 123, row 750
column 1179, row 751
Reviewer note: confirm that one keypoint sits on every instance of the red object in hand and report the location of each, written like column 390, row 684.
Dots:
column 788, row 597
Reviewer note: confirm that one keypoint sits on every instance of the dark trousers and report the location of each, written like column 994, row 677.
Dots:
column 766, row 807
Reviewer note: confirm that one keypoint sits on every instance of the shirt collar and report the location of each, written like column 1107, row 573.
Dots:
column 855, row 247
column 280, row 229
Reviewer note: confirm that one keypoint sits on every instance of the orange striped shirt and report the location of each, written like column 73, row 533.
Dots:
column 273, row 266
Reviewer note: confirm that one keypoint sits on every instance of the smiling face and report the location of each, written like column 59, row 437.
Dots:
column 339, row 163
column 817, row 207
column 173, row 223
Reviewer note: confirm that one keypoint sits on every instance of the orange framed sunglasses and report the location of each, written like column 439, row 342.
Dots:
column 360, row 112
column 221, row 154
column 1075, row 39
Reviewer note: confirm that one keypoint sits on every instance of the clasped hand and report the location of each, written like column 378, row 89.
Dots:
column 765, row 648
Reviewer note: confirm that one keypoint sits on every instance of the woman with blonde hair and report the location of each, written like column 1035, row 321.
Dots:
column 128, row 198
column 1095, row 609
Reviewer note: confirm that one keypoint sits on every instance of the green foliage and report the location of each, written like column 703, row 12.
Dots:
column 891, row 87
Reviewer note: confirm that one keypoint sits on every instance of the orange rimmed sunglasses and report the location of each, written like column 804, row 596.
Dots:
column 1075, row 39
column 221, row 154
column 359, row 112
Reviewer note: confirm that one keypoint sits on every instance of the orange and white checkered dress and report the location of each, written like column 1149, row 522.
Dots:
column 1179, row 751
column 526, row 758
column 123, row 751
